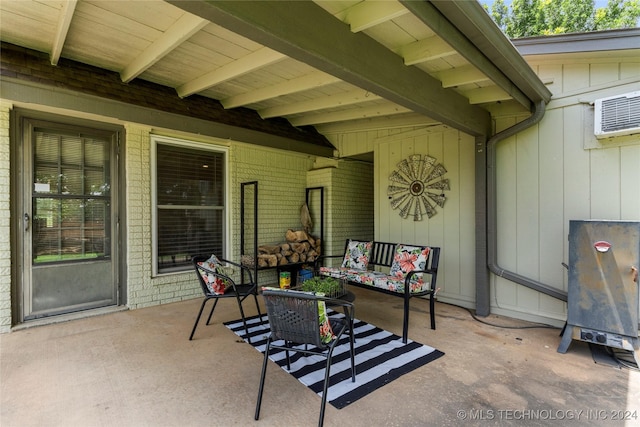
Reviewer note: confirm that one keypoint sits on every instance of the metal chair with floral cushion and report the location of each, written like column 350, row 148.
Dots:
column 213, row 275
column 300, row 321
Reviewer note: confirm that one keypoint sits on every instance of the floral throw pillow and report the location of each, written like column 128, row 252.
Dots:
column 326, row 332
column 214, row 283
column 408, row 258
column 357, row 255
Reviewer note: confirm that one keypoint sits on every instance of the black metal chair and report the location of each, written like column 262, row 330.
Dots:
column 293, row 318
column 210, row 275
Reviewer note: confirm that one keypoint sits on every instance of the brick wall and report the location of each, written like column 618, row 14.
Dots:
column 5, row 245
column 349, row 199
column 282, row 179
column 282, row 182
column 143, row 289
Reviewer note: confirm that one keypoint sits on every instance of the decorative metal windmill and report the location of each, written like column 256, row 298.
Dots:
column 415, row 184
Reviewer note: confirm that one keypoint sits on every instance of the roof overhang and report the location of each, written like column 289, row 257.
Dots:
column 289, row 68
column 597, row 41
column 353, row 57
column 501, row 55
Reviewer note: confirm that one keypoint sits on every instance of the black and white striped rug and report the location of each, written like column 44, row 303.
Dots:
column 381, row 357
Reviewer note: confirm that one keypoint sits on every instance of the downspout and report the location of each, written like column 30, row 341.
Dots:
column 492, row 207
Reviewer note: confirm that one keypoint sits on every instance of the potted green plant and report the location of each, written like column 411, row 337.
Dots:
column 329, row 286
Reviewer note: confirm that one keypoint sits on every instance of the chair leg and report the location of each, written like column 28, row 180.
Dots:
column 195, row 325
column 244, row 320
column 432, row 310
column 215, row 302
column 405, row 323
column 262, row 378
column 286, row 354
column 325, row 388
column 347, row 316
column 255, row 297
column 352, row 340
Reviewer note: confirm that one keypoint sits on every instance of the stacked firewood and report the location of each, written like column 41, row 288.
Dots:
column 299, row 247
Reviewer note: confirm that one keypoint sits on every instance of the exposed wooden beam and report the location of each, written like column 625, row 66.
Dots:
column 462, row 76
column 430, row 15
column 374, row 123
column 87, row 105
column 304, row 31
column 176, row 34
column 487, row 94
column 425, row 50
column 351, row 114
column 367, row 14
column 310, row 81
column 354, row 97
column 64, row 21
column 253, row 61
column 476, row 25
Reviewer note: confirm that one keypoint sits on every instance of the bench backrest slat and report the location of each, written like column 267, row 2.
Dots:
column 382, row 254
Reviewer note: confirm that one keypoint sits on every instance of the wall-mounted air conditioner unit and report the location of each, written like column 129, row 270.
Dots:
column 617, row 115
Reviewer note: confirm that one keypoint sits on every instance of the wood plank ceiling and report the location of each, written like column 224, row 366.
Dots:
column 336, row 65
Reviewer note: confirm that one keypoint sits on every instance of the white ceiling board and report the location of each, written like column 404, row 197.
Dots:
column 32, row 25
column 136, row 38
column 155, row 14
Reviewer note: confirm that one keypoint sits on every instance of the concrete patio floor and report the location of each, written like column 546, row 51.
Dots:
column 138, row 368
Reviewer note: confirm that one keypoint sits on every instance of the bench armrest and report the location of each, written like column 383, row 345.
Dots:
column 432, row 282
column 320, row 259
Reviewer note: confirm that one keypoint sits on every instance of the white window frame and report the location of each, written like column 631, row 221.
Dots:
column 183, row 143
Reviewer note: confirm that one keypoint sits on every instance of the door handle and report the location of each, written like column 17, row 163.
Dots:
column 26, row 222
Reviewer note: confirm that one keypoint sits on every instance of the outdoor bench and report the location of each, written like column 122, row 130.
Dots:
column 407, row 265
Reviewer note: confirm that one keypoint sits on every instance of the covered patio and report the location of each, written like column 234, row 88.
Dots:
column 298, row 95
column 138, row 368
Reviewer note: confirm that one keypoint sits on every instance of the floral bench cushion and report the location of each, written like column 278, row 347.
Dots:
column 357, row 255
column 407, row 258
column 375, row 279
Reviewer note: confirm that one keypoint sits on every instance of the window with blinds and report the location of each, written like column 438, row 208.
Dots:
column 189, row 205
